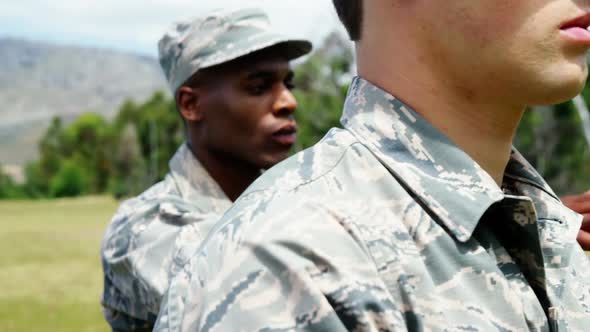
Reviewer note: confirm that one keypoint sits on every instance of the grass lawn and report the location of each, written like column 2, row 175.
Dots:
column 50, row 273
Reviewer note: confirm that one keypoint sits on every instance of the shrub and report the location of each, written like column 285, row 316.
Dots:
column 70, row 181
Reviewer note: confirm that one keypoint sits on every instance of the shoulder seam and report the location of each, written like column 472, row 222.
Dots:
column 344, row 152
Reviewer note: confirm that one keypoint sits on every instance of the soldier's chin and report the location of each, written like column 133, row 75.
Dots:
column 559, row 93
column 273, row 159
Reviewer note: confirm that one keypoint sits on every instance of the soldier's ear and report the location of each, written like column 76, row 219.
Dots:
column 189, row 103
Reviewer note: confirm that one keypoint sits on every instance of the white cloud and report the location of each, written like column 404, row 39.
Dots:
column 136, row 25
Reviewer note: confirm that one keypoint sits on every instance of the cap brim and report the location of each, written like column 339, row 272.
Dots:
column 294, row 48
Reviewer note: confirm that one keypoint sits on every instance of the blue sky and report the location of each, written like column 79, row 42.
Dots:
column 136, row 25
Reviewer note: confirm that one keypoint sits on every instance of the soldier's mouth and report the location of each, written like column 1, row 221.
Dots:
column 286, row 136
column 577, row 29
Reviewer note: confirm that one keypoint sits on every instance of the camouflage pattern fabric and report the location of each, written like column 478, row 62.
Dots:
column 387, row 226
column 152, row 236
column 219, row 37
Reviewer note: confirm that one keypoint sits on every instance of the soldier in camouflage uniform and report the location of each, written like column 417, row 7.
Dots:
column 418, row 215
column 231, row 79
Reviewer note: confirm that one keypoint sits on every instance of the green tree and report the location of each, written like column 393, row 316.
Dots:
column 322, row 83
column 36, row 184
column 70, row 181
column 88, row 141
column 551, row 138
column 8, row 188
column 129, row 174
column 160, row 131
column 50, row 148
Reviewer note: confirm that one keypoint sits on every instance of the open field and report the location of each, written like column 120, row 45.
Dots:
column 50, row 273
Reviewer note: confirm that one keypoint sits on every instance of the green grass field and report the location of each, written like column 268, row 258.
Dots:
column 50, row 273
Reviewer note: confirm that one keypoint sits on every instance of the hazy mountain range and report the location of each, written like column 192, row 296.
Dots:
column 40, row 80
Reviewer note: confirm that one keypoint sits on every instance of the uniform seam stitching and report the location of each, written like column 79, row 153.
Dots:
column 304, row 183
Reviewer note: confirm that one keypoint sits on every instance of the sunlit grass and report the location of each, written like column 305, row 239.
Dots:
column 50, row 265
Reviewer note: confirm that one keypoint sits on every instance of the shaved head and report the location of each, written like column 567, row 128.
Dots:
column 351, row 16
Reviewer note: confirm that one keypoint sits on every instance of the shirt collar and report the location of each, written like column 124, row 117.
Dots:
column 443, row 178
column 519, row 170
column 195, row 184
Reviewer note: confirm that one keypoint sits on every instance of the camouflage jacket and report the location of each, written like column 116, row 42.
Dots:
column 151, row 236
column 387, row 226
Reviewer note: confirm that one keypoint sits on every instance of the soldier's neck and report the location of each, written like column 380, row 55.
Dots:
column 480, row 126
column 232, row 175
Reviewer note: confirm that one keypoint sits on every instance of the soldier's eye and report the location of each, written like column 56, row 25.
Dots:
column 258, row 88
column 290, row 81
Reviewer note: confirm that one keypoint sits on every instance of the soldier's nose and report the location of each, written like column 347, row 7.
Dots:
column 285, row 104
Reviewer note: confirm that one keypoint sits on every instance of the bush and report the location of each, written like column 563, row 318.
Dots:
column 9, row 189
column 70, row 181
column 36, row 185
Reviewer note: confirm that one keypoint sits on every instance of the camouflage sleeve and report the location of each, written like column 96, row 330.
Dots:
column 126, row 295
column 143, row 247
column 275, row 276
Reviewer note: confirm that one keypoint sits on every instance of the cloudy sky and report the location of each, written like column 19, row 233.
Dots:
column 136, row 25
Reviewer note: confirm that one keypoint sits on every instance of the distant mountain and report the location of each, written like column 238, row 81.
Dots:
column 40, row 80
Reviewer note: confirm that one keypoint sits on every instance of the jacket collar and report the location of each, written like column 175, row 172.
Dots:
column 442, row 177
column 195, row 185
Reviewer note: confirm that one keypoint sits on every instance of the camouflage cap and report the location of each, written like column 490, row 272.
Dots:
column 219, row 37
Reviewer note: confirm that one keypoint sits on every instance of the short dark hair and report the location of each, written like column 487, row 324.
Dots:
column 351, row 15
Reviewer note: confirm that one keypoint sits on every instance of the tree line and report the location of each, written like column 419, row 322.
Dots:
column 125, row 155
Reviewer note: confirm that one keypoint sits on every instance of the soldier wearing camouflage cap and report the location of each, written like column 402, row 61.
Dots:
column 419, row 215
column 230, row 75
